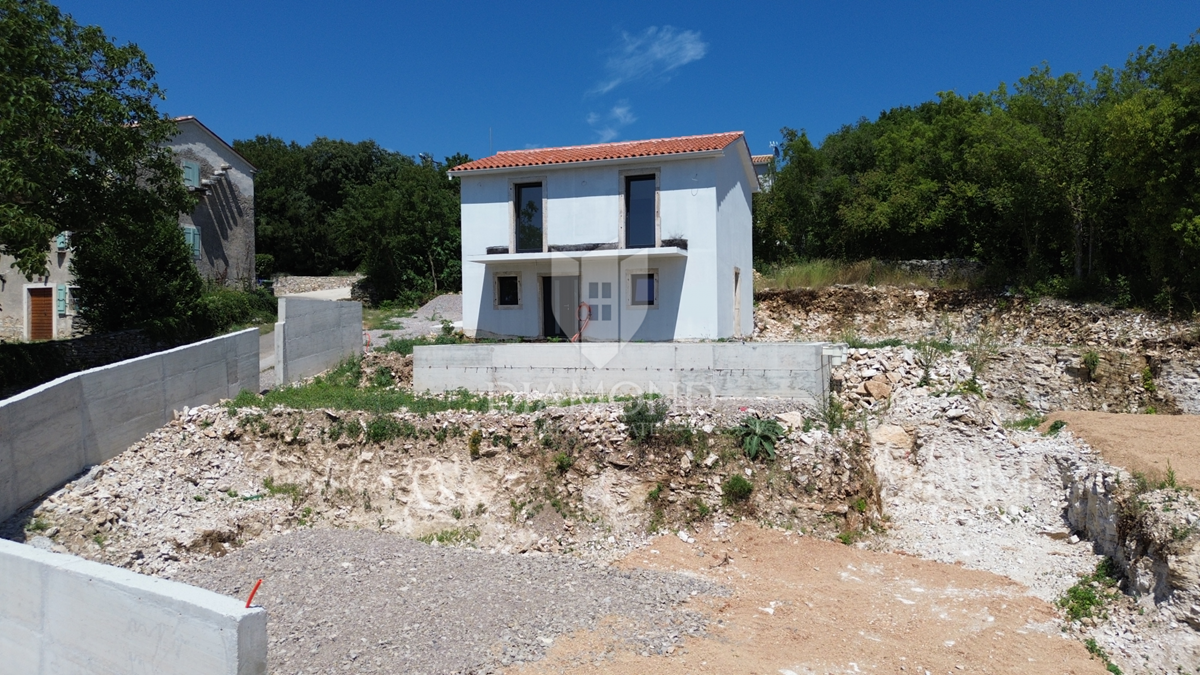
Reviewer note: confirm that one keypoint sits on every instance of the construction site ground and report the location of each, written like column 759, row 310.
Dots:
column 929, row 518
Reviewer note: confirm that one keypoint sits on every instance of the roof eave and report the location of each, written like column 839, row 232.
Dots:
column 644, row 159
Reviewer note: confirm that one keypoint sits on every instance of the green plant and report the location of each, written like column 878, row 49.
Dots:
column 473, row 443
column 37, row 525
column 860, row 505
column 1091, row 361
column 198, row 498
column 480, row 509
column 701, row 509
column 563, row 462
column 290, row 489
column 385, row 428
column 452, row 536
column 1148, row 380
column 654, row 494
column 758, row 436
column 305, row 514
column 1055, row 427
column 456, row 513
column 1089, row 595
column 736, row 489
column 99, row 540
column 643, row 416
column 848, row 537
column 833, row 413
column 657, row 519
column 1026, row 423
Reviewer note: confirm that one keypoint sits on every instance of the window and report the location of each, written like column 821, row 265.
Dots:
column 528, row 208
column 191, row 234
column 508, row 291
column 597, row 289
column 643, row 290
column 191, row 173
column 639, row 212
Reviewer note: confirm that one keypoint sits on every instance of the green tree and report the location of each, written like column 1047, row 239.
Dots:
column 82, row 150
column 406, row 228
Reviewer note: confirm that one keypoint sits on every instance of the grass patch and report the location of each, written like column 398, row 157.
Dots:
column 338, row 390
column 822, row 272
column 1055, row 427
column 452, row 536
column 386, row 315
column 288, row 489
column 736, row 489
column 37, row 525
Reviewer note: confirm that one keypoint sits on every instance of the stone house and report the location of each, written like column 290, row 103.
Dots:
column 220, row 232
column 639, row 240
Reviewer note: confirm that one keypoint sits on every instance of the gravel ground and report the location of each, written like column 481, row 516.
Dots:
column 377, row 603
column 426, row 320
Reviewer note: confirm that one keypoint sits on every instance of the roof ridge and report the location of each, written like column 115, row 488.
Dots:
column 629, row 142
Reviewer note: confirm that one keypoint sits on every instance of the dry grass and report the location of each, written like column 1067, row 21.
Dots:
column 821, row 273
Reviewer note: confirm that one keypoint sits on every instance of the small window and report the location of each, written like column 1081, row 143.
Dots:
column 191, row 173
column 606, row 312
column 643, row 289
column 508, row 291
column 191, row 234
column 606, row 290
column 639, row 212
column 528, row 208
column 593, row 290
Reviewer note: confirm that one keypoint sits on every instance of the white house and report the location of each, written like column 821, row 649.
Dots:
column 639, row 240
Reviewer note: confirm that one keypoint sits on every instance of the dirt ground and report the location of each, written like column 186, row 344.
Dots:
column 1143, row 443
column 801, row 605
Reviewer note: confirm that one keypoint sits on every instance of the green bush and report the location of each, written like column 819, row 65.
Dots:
column 643, row 416
column 220, row 308
column 758, row 436
column 736, row 489
column 264, row 266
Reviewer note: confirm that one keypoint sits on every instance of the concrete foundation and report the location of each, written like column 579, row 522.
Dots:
column 315, row 335
column 62, row 615
column 48, row 434
column 786, row 370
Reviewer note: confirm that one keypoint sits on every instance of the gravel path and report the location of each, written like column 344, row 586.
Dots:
column 426, row 320
column 368, row 602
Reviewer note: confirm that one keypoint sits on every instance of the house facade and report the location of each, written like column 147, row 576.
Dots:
column 220, row 232
column 632, row 241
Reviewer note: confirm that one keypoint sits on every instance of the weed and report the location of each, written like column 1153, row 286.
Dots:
column 1096, row 651
column 232, row 493
column 970, row 386
column 657, row 519
column 1055, row 427
column 99, row 540
column 860, row 505
column 1148, row 380
column 440, row 435
column 654, row 494
column 290, row 489
column 1026, row 423
column 981, row 351
column 563, row 463
column 848, row 537
column 473, row 443
column 456, row 513
column 736, row 489
column 382, row 378
column 1091, row 361
column 1151, row 410
column 198, row 498
column 480, row 509
column 305, row 514
column 1170, row 481
column 382, row 429
column 833, row 413
column 452, row 536
column 758, row 436
column 1089, row 595
column 701, row 509
column 643, row 416
column 37, row 525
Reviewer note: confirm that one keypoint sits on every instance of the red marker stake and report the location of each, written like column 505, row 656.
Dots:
column 251, row 598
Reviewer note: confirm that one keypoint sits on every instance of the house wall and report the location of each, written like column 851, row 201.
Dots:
column 583, row 205
column 14, row 295
column 225, row 214
column 734, row 231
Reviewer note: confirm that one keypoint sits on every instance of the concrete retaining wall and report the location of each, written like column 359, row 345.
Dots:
column 48, row 434
column 315, row 335
column 789, row 370
column 62, row 615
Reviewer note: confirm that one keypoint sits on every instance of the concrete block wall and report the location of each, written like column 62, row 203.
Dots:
column 62, row 615
column 48, row 434
column 780, row 369
column 315, row 335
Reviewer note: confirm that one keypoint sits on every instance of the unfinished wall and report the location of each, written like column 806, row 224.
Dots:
column 789, row 370
column 62, row 615
column 315, row 335
column 48, row 434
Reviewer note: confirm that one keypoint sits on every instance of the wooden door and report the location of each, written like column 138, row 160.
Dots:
column 41, row 313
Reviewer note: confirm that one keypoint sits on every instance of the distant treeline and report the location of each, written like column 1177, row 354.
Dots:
column 1077, row 186
column 335, row 206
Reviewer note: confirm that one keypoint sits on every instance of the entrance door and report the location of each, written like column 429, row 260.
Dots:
column 41, row 313
column 560, row 306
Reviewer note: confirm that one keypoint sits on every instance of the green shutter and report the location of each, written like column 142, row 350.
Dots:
column 62, row 299
column 191, row 234
column 191, row 174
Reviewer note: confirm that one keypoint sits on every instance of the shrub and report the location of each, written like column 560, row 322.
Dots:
column 1055, row 427
column 220, row 309
column 643, row 416
column 736, row 489
column 264, row 266
column 1091, row 361
column 473, row 443
column 758, row 436
column 563, row 462
column 834, row 413
column 382, row 429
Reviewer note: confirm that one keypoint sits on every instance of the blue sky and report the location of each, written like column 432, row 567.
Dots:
column 438, row 77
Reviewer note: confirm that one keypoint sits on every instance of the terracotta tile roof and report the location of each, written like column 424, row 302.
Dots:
column 591, row 153
column 761, row 159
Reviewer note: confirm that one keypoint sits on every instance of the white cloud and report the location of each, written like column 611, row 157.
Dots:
column 609, row 125
column 655, row 52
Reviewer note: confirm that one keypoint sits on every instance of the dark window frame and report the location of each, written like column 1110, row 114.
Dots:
column 652, row 277
column 628, row 180
column 516, row 210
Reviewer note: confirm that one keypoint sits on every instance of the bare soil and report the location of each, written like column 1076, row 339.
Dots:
column 802, row 605
column 1141, row 443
